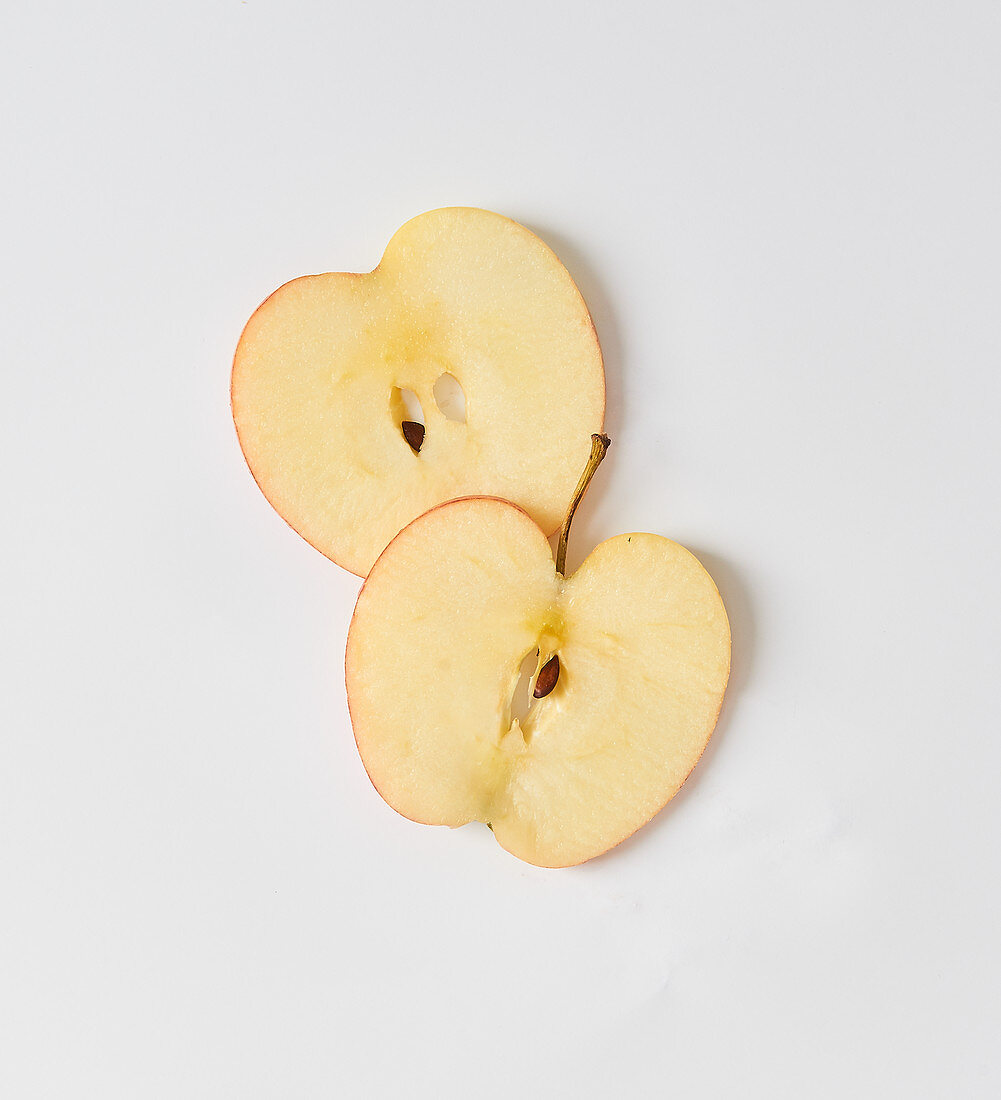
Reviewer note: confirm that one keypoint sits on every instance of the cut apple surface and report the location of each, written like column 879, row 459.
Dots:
column 466, row 362
column 441, row 629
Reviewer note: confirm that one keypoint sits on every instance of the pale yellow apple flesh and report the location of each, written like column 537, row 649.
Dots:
column 321, row 367
column 441, row 628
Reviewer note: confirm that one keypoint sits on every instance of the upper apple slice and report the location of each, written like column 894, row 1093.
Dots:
column 442, row 625
column 321, row 369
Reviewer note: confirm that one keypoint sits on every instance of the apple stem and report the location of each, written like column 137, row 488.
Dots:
column 599, row 445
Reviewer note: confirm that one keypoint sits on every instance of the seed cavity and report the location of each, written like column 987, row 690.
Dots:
column 549, row 674
column 521, row 700
column 450, row 398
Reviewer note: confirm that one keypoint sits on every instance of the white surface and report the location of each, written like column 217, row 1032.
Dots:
column 785, row 218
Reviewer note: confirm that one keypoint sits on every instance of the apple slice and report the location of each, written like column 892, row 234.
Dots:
column 348, row 390
column 443, row 623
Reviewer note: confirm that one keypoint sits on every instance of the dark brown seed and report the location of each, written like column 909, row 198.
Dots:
column 548, row 675
column 413, row 433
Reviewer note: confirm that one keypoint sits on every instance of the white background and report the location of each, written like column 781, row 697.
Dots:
column 785, row 218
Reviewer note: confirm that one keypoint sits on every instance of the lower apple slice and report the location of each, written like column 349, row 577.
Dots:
column 441, row 628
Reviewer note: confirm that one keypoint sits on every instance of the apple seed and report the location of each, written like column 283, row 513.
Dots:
column 413, row 433
column 548, row 675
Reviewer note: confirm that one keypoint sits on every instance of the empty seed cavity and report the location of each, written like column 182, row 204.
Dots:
column 450, row 398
